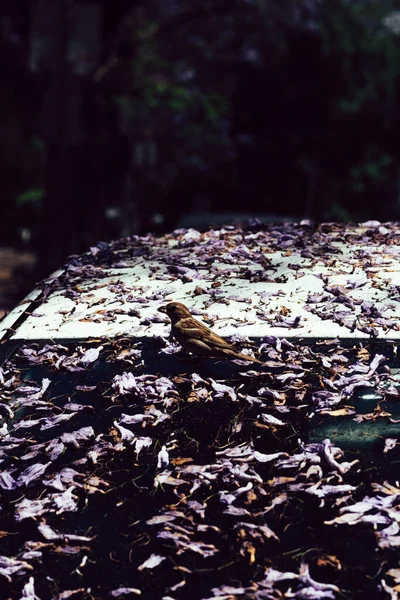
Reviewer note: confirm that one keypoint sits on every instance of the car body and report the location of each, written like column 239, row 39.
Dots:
column 130, row 467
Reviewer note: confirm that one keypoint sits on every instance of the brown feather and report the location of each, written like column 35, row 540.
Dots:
column 195, row 337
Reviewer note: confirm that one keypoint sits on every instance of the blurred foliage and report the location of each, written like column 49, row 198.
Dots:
column 288, row 108
column 31, row 197
column 173, row 108
column 21, row 159
column 364, row 58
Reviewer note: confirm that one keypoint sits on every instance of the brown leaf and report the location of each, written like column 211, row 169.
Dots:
column 339, row 412
column 251, row 551
column 329, row 561
column 198, row 291
column 193, row 397
column 363, row 354
column 180, row 461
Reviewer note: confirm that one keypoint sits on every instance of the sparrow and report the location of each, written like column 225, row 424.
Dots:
column 196, row 337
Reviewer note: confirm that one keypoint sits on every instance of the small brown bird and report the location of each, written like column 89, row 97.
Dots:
column 196, row 337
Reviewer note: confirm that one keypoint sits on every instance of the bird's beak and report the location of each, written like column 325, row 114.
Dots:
column 162, row 309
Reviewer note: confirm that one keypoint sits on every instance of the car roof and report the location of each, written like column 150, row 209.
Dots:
column 292, row 280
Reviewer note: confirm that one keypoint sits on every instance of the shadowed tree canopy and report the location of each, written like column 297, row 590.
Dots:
column 138, row 112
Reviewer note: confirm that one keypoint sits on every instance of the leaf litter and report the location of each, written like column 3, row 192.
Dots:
column 131, row 470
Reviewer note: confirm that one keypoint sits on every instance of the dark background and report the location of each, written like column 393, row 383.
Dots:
column 122, row 117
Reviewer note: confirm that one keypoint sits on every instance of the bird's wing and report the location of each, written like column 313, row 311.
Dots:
column 198, row 331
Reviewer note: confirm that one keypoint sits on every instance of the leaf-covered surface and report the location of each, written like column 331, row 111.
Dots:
column 293, row 280
column 129, row 472
column 130, row 468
